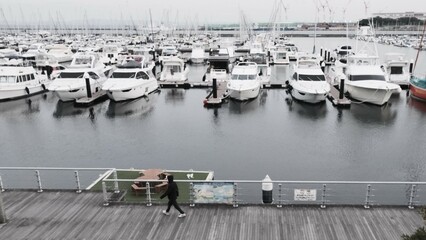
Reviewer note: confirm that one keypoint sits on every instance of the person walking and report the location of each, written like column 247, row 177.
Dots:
column 172, row 193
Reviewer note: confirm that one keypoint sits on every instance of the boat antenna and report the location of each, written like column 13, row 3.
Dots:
column 420, row 45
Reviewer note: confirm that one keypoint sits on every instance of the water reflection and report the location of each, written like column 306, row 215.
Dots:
column 372, row 114
column 174, row 95
column 307, row 110
column 419, row 105
column 238, row 107
column 65, row 109
column 25, row 106
column 140, row 106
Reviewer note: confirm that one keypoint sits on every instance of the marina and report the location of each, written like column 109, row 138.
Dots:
column 258, row 130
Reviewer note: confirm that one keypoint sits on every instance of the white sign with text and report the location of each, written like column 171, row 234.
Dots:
column 305, row 194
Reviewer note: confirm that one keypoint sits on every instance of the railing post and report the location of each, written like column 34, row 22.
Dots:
column 1, row 185
column 148, row 195
column 323, row 196
column 105, row 194
column 77, row 179
column 412, row 196
column 40, row 189
column 279, row 196
column 116, row 189
column 2, row 211
column 235, row 203
column 367, row 197
column 191, row 194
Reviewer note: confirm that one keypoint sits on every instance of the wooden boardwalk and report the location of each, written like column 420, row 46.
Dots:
column 67, row 215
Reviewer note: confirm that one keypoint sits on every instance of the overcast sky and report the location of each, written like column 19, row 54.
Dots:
column 200, row 11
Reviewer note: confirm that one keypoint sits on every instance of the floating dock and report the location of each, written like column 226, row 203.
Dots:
column 188, row 85
column 336, row 99
column 218, row 94
column 87, row 101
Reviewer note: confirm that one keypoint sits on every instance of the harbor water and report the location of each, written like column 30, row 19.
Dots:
column 273, row 135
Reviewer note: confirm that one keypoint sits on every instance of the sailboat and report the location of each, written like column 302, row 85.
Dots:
column 418, row 83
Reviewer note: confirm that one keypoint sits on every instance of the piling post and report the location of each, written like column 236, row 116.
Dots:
column 2, row 211
column 77, row 179
column 88, row 88
column 328, row 56
column 342, row 89
column 321, row 50
column 40, row 189
column 214, row 88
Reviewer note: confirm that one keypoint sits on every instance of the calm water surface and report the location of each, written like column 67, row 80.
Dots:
column 269, row 135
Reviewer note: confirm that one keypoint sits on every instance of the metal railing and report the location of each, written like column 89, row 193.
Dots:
column 328, row 193
column 41, row 183
column 365, row 193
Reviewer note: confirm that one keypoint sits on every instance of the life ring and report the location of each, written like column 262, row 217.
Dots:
column 27, row 90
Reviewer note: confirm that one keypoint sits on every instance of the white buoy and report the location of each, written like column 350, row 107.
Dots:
column 267, row 187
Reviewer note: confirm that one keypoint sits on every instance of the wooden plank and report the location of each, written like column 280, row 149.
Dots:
column 67, row 215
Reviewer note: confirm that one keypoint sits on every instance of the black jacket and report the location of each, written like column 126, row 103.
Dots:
column 172, row 191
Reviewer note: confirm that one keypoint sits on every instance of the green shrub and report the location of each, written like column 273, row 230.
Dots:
column 420, row 234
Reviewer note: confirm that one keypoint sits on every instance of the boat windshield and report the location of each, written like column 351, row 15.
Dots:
column 243, row 77
column 367, row 77
column 123, row 75
column 305, row 77
column 71, row 75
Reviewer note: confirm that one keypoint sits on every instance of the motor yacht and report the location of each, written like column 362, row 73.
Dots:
column 18, row 80
column 308, row 82
column 174, row 70
column 132, row 79
column 70, row 84
column 244, row 83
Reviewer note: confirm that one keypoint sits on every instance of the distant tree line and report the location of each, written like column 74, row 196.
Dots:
column 381, row 22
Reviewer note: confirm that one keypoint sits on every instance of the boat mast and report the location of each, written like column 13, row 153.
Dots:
column 420, row 45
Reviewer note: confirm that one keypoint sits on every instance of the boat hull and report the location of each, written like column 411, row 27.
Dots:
column 17, row 93
column 377, row 96
column 417, row 92
column 308, row 97
column 133, row 93
column 246, row 94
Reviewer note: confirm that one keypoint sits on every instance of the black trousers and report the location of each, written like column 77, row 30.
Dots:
column 175, row 204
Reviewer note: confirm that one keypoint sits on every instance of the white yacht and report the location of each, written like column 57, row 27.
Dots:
column 174, row 70
column 168, row 52
column 281, row 57
column 366, row 79
column 130, row 80
column 20, row 81
column 197, row 54
column 244, row 83
column 308, row 82
column 110, row 54
column 263, row 66
column 367, row 82
column 70, row 84
column 61, row 53
column 397, row 68
column 219, row 66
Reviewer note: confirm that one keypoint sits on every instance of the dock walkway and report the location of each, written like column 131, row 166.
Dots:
column 67, row 215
